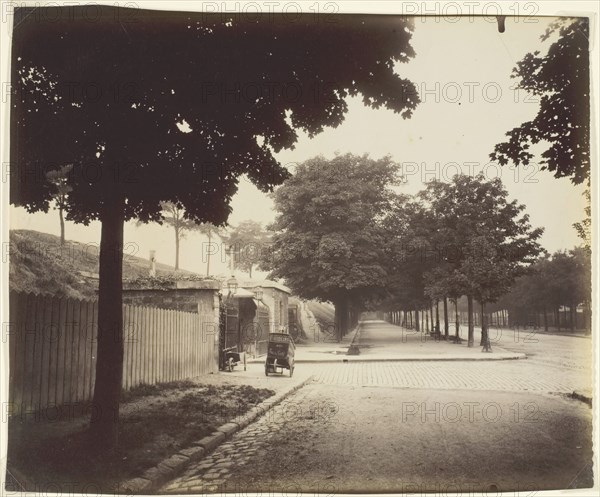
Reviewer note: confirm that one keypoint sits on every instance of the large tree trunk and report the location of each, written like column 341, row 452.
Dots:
column 558, row 317
column 109, row 363
column 483, row 328
column 62, row 223
column 250, row 272
column 545, row 319
column 457, row 318
column 482, row 337
column 485, row 336
column 341, row 317
column 446, row 324
column 417, row 326
column 431, row 316
column 437, row 317
column 471, row 340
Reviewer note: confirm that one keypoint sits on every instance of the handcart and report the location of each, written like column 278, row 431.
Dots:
column 233, row 358
column 280, row 354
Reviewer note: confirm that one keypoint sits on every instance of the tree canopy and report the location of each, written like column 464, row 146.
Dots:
column 458, row 238
column 152, row 106
column 249, row 242
column 328, row 243
column 171, row 106
column 561, row 81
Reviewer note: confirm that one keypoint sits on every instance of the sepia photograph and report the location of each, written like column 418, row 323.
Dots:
column 299, row 248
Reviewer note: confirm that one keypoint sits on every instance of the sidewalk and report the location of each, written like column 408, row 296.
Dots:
column 382, row 341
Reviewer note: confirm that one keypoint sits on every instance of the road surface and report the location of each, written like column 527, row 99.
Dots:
column 443, row 426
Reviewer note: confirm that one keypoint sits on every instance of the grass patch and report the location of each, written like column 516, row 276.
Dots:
column 155, row 423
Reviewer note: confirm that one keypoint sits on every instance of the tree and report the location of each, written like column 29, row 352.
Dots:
column 209, row 230
column 154, row 107
column 58, row 178
column 561, row 81
column 584, row 227
column 563, row 280
column 328, row 242
column 173, row 215
column 409, row 254
column 249, row 242
column 485, row 241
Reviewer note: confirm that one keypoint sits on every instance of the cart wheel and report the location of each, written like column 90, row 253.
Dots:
column 291, row 371
column 230, row 364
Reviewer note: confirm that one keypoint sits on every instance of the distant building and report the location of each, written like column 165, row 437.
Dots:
column 276, row 296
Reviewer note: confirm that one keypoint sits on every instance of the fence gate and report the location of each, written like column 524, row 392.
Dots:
column 232, row 324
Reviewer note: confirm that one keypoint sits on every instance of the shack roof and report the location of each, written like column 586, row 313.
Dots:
column 265, row 284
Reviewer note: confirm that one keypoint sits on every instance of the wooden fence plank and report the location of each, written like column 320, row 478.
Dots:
column 38, row 356
column 172, row 325
column 165, row 340
column 138, row 348
column 55, row 339
column 178, row 341
column 132, row 344
column 153, row 350
column 157, row 337
column 27, row 313
column 69, row 329
column 46, row 328
column 75, row 359
column 82, row 352
column 141, row 343
column 145, row 338
column 163, row 344
column 60, row 348
column 187, row 365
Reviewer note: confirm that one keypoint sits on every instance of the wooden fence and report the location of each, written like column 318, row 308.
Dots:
column 52, row 348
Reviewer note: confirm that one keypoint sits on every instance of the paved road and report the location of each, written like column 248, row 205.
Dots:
column 413, row 426
column 493, row 375
column 554, row 363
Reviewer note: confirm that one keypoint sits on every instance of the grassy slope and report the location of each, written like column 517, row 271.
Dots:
column 324, row 313
column 39, row 264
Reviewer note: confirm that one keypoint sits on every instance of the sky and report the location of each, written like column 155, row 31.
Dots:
column 462, row 71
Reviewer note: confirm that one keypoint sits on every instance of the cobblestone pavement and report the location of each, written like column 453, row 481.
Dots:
column 517, row 375
column 219, row 471
column 352, row 408
column 328, row 439
column 211, row 474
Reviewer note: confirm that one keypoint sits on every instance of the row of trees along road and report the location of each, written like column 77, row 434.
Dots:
column 561, row 281
column 152, row 107
column 458, row 238
column 344, row 236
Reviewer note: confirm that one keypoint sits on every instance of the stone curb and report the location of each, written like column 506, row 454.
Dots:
column 344, row 359
column 355, row 338
column 582, row 397
column 153, row 478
